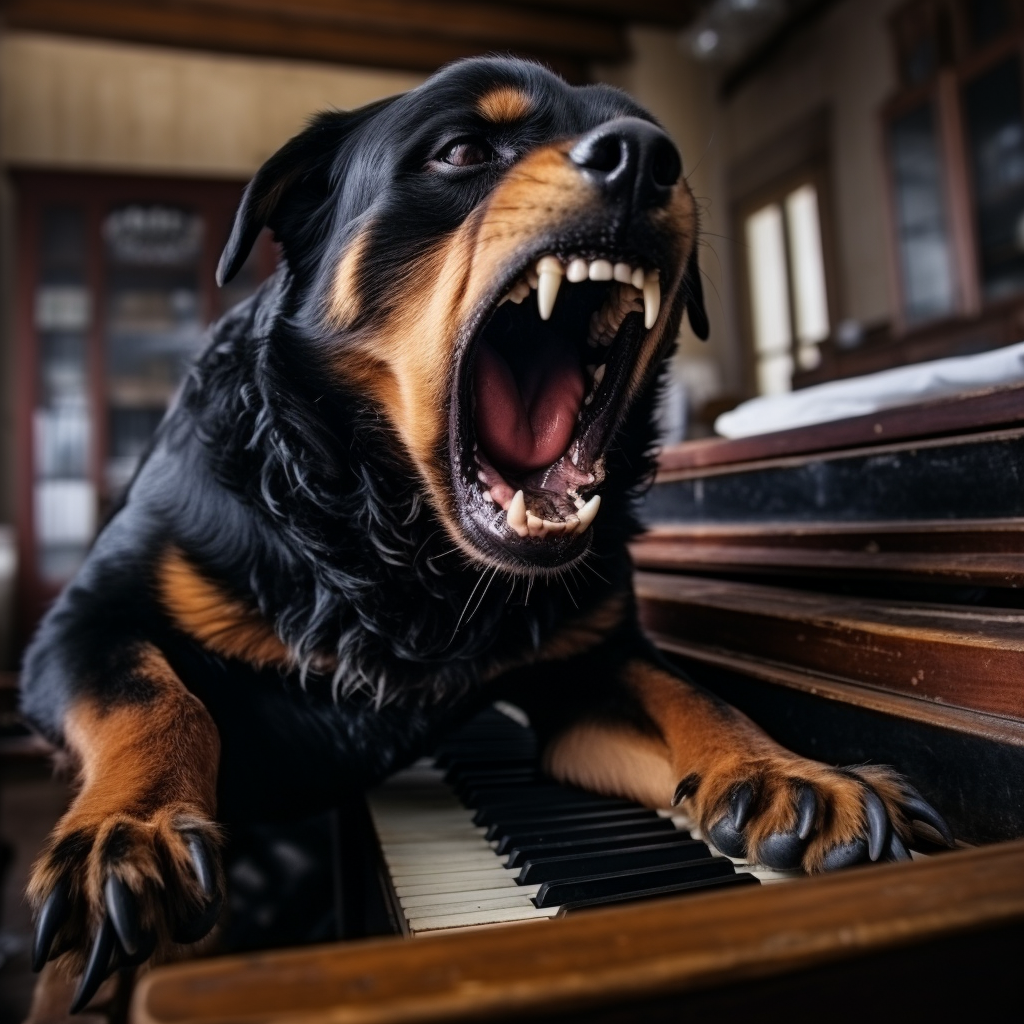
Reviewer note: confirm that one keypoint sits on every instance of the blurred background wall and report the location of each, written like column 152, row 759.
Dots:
column 859, row 166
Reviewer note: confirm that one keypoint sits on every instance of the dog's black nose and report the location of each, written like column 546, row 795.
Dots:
column 629, row 158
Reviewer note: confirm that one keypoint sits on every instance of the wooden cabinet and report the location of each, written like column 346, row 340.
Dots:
column 115, row 288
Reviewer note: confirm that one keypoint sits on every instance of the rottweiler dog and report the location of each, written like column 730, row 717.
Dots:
column 398, row 485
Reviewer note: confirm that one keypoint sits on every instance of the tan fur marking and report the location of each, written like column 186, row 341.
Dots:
column 614, row 761
column 221, row 623
column 504, row 103
column 344, row 305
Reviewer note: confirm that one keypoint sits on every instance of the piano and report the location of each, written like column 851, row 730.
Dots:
column 857, row 588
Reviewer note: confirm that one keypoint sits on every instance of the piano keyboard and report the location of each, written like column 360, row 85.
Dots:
column 478, row 836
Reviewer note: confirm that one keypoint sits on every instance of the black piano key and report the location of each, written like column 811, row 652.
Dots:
column 705, row 885
column 588, row 830
column 519, row 855
column 554, row 894
column 582, row 865
column 541, row 822
column 547, row 805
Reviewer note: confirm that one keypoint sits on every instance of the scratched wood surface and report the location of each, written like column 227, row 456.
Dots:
column 959, row 655
column 596, row 964
column 980, row 552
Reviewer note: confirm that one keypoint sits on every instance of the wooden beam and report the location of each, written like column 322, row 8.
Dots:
column 484, row 25
column 188, row 24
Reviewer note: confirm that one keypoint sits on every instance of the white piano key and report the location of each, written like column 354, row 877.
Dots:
column 465, row 885
column 436, row 864
column 432, row 924
column 481, row 875
column 441, row 899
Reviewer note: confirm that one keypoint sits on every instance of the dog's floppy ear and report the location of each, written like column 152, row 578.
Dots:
column 306, row 161
column 695, row 298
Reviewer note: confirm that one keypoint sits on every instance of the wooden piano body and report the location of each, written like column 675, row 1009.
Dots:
column 856, row 588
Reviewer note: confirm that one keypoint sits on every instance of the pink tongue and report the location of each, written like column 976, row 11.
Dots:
column 530, row 427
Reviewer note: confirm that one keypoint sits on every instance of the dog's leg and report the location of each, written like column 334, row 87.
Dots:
column 650, row 735
column 133, row 863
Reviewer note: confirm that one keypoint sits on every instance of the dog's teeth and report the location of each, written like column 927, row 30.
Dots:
column 622, row 272
column 535, row 525
column 652, row 299
column 588, row 513
column 487, row 496
column 588, row 399
column 600, row 270
column 599, row 374
column 575, row 457
column 637, row 279
column 571, row 524
column 578, row 502
column 549, row 276
column 577, row 271
column 531, row 279
column 553, row 528
column 517, row 514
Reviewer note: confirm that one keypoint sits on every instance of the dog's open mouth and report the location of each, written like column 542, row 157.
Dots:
column 540, row 391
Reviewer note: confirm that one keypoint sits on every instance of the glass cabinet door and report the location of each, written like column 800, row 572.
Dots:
column 63, row 494
column 153, row 324
column 994, row 118
column 922, row 233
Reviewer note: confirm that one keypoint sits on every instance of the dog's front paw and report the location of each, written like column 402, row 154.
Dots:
column 109, row 891
column 789, row 813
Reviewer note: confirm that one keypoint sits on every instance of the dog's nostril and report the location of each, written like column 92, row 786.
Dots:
column 666, row 167
column 603, row 153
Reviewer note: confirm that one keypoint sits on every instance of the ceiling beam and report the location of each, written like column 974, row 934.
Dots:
column 216, row 27
column 485, row 24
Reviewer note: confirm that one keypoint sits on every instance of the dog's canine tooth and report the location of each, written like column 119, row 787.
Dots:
column 600, row 270
column 599, row 374
column 652, row 298
column 622, row 272
column 588, row 513
column 516, row 514
column 571, row 524
column 579, row 503
column 549, row 277
column 577, row 271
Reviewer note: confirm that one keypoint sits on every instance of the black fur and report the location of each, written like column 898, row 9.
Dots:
column 285, row 487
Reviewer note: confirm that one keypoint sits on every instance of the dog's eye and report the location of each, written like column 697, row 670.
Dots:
column 467, row 153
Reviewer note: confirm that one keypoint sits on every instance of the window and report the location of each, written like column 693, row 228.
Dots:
column 788, row 296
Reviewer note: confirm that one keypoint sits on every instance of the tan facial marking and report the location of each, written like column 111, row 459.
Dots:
column 504, row 103
column 343, row 305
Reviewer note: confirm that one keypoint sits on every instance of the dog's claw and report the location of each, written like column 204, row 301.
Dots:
column 739, row 806
column 98, row 966
column 123, row 911
column 202, row 864
column 918, row 809
column 51, row 917
column 806, row 809
column 844, row 854
column 896, row 851
column 878, row 825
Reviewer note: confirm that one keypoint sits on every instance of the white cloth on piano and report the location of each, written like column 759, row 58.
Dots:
column 860, row 396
